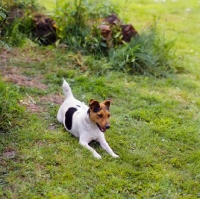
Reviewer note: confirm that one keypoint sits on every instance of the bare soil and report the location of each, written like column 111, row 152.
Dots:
column 15, row 75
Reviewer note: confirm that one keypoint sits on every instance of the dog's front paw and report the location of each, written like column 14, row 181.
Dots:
column 115, row 155
column 97, row 156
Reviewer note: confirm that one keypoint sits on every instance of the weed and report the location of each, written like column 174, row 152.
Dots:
column 19, row 24
column 77, row 21
column 146, row 54
column 99, row 67
column 94, row 42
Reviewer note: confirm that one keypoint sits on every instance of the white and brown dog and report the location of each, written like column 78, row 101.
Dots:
column 86, row 123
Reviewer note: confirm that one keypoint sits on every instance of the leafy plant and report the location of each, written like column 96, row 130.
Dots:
column 17, row 24
column 13, row 35
column 95, row 43
column 100, row 46
column 148, row 53
column 77, row 21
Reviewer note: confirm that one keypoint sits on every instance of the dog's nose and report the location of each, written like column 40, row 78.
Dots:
column 107, row 126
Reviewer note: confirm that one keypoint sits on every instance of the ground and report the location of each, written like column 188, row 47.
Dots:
column 154, row 123
column 15, row 75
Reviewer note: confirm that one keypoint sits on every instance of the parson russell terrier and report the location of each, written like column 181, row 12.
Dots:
column 86, row 123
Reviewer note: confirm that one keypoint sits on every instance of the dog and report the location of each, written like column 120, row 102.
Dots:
column 86, row 123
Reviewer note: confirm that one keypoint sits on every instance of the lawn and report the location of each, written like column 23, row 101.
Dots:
column 155, row 127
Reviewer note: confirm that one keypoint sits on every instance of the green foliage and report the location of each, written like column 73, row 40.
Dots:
column 94, row 42
column 75, row 19
column 10, row 111
column 148, row 53
column 13, row 34
column 97, row 45
column 72, row 24
column 16, row 27
column 99, row 67
column 3, row 12
column 77, row 24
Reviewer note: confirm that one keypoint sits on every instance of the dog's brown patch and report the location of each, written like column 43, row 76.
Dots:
column 100, row 114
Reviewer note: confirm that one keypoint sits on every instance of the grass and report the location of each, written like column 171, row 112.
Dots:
column 10, row 111
column 154, row 123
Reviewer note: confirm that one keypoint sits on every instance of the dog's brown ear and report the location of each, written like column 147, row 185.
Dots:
column 107, row 103
column 94, row 105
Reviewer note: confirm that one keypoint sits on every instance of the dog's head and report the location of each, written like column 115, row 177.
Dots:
column 100, row 114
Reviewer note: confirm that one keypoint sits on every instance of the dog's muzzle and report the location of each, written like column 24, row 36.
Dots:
column 103, row 129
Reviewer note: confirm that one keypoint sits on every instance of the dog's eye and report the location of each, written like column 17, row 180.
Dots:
column 100, row 115
column 108, row 116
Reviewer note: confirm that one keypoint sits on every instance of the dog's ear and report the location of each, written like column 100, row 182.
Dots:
column 107, row 103
column 94, row 105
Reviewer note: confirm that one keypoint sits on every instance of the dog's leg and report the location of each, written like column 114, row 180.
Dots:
column 94, row 153
column 105, row 146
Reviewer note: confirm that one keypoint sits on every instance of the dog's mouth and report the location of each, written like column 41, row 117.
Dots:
column 101, row 129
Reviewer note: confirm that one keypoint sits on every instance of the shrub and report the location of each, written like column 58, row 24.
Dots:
column 10, row 111
column 75, row 19
column 13, row 35
column 77, row 24
column 148, row 53
column 17, row 24
column 95, row 43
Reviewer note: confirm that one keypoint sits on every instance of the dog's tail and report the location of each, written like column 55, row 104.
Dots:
column 66, row 89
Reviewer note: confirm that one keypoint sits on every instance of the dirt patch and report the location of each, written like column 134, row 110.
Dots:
column 13, row 74
column 23, row 55
column 3, row 57
column 55, row 99
column 8, row 153
column 38, row 105
column 31, row 105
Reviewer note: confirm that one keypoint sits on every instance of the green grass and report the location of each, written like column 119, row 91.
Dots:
column 10, row 111
column 154, row 124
